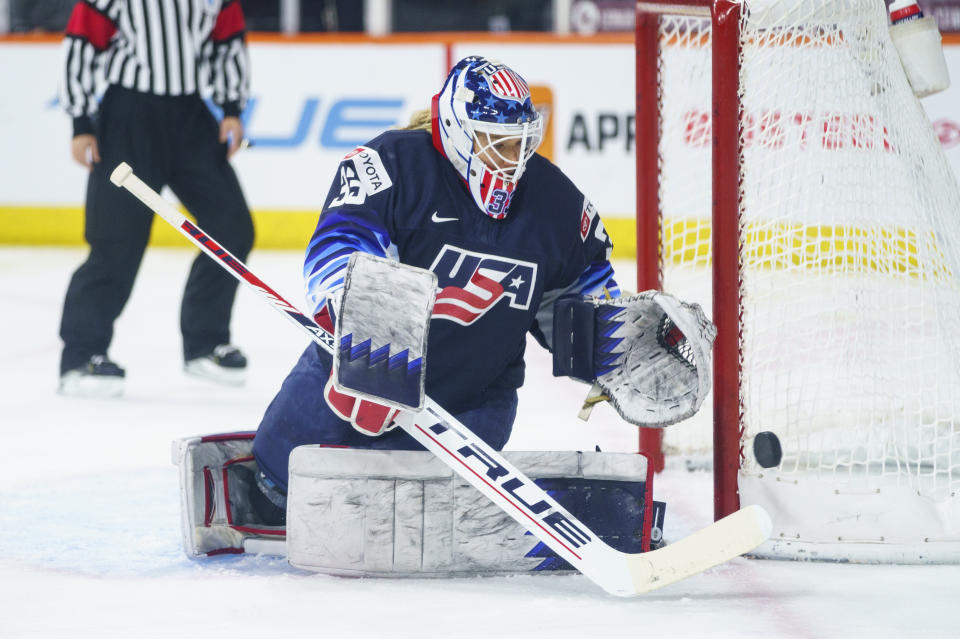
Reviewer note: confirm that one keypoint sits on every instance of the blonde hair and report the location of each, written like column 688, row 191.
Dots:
column 419, row 121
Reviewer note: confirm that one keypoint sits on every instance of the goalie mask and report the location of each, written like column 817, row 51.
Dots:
column 484, row 123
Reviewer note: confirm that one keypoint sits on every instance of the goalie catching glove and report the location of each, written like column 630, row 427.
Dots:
column 649, row 353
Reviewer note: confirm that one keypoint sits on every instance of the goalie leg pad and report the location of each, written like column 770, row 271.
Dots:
column 406, row 514
column 382, row 329
column 217, row 479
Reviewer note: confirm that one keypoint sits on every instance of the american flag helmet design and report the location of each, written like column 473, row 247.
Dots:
column 508, row 85
column 500, row 94
column 485, row 123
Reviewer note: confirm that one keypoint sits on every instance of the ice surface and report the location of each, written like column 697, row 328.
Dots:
column 89, row 537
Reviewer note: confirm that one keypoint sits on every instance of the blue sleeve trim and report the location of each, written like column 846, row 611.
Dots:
column 340, row 233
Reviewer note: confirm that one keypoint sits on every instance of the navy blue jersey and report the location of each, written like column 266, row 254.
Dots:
column 399, row 197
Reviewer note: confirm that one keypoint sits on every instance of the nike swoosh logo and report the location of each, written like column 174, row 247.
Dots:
column 437, row 218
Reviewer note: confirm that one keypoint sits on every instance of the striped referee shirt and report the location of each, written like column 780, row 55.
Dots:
column 162, row 47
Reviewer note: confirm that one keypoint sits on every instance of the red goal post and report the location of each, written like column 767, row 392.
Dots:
column 725, row 15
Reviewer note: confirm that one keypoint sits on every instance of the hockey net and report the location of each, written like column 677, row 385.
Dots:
column 839, row 296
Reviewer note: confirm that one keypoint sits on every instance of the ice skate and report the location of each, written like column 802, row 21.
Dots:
column 225, row 365
column 99, row 377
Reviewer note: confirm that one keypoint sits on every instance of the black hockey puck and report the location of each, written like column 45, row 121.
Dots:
column 766, row 448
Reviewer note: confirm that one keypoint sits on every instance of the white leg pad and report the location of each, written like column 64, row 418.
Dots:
column 405, row 513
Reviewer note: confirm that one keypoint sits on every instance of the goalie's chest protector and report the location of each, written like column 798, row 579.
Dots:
column 492, row 274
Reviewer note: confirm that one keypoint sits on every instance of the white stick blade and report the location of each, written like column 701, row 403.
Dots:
column 121, row 173
column 722, row 541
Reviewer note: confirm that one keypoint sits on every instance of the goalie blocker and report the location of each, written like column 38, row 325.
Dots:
column 382, row 324
column 404, row 513
column 381, row 331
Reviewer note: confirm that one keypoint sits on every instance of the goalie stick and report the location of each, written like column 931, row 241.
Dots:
column 618, row 573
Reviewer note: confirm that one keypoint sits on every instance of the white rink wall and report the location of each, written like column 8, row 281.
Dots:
column 312, row 102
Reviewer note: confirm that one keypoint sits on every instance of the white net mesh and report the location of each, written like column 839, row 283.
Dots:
column 851, row 247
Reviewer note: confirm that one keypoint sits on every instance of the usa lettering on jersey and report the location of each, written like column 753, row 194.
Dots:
column 473, row 283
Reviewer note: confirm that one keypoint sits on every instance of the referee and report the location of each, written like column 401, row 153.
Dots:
column 154, row 57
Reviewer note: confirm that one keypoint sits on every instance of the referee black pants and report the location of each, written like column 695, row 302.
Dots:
column 168, row 141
